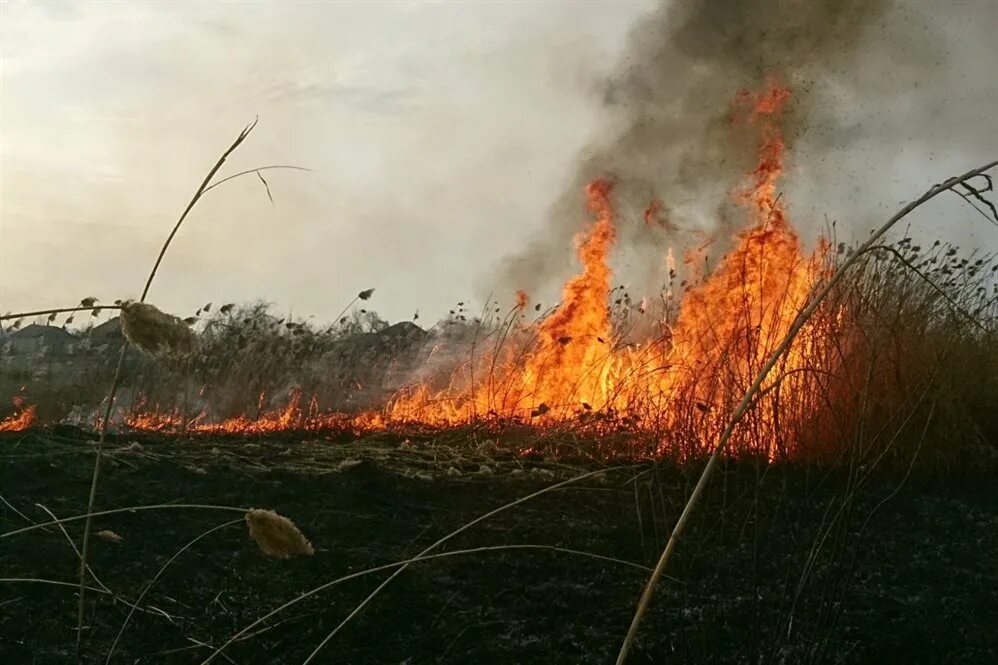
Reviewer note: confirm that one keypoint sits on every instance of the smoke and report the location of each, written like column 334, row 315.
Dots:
column 873, row 81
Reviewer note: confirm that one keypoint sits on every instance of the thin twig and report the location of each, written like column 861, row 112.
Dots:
column 58, row 310
column 256, row 171
column 443, row 540
column 76, row 550
column 37, row 580
column 925, row 278
column 194, row 199
column 145, row 590
column 404, row 564
column 129, row 509
column 74, row 585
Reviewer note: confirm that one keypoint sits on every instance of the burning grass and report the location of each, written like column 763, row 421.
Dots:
column 21, row 420
column 909, row 328
column 893, row 365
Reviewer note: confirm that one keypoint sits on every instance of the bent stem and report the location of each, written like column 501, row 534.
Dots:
column 57, row 310
column 743, row 406
column 126, row 509
column 443, row 540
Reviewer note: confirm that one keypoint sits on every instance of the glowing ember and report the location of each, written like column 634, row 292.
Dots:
column 651, row 213
column 522, row 299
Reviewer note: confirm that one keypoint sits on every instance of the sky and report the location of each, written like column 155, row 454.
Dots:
column 436, row 133
column 438, row 136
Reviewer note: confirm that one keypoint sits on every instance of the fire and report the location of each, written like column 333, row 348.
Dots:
column 21, row 420
column 522, row 299
column 724, row 330
column 292, row 417
column 566, row 368
column 571, row 344
column 678, row 385
column 652, row 211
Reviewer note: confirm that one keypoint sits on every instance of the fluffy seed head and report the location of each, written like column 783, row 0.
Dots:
column 153, row 331
column 109, row 536
column 276, row 536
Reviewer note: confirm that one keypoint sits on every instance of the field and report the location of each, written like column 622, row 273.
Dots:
column 803, row 440
column 785, row 563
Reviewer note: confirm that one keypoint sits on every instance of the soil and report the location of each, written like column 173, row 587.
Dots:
column 781, row 564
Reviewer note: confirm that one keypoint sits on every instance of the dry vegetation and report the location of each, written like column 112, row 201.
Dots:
column 906, row 365
column 895, row 372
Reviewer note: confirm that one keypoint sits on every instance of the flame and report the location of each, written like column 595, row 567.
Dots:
column 652, row 211
column 21, row 420
column 293, row 417
column 522, row 300
column 565, row 369
column 680, row 384
column 728, row 326
column 725, row 329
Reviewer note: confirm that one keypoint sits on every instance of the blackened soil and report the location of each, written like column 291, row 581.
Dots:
column 779, row 565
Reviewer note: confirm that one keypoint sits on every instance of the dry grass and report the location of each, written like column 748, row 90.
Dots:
column 909, row 326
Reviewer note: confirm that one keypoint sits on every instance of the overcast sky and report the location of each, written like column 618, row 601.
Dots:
column 438, row 135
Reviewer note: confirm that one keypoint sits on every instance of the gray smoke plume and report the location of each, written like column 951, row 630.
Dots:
column 869, row 78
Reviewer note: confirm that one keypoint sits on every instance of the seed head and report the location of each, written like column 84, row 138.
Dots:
column 153, row 331
column 275, row 535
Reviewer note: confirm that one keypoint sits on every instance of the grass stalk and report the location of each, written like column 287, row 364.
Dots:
column 205, row 186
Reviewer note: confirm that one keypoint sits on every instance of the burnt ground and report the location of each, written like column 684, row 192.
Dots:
column 783, row 564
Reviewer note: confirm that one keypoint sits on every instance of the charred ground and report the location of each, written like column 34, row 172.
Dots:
column 784, row 563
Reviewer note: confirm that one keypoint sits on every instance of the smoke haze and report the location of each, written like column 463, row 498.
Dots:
column 888, row 97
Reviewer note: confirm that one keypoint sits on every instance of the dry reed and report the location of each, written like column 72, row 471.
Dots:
column 154, row 332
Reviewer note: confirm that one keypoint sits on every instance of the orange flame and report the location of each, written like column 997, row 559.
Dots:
column 728, row 326
column 522, row 299
column 570, row 339
column 575, row 366
column 21, row 420
column 652, row 211
column 291, row 418
column 724, row 330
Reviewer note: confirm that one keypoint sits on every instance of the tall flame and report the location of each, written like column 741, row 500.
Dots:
column 725, row 328
column 566, row 367
column 679, row 384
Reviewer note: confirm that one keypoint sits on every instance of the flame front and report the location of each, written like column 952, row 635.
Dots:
column 679, row 384
column 567, row 368
column 574, row 364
